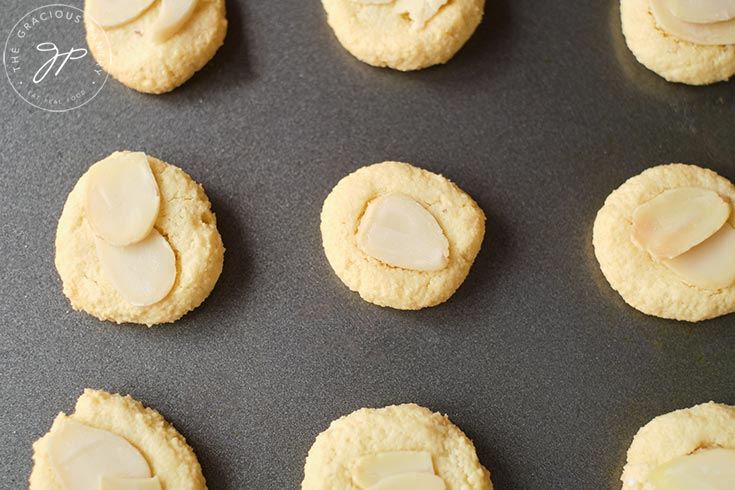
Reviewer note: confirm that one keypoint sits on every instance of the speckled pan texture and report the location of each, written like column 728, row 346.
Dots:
column 539, row 117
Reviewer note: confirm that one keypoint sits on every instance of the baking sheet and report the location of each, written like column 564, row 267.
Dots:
column 539, row 117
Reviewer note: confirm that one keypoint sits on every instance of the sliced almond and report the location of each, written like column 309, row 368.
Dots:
column 112, row 13
column 717, row 33
column 130, row 483
column 410, row 481
column 677, row 220
column 122, row 199
column 80, row 455
column 419, row 11
column 370, row 470
column 707, row 469
column 711, row 264
column 702, row 11
column 142, row 273
column 174, row 14
column 400, row 232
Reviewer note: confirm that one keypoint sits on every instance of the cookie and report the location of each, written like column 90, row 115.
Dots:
column 673, row 58
column 132, row 53
column 453, row 226
column 396, row 34
column 169, row 458
column 670, row 438
column 184, row 220
column 359, row 438
column 647, row 284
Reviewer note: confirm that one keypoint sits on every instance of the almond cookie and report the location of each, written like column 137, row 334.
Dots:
column 112, row 442
column 665, row 241
column 137, row 241
column 403, row 34
column 691, row 449
column 392, row 448
column 153, row 46
column 401, row 236
column 682, row 41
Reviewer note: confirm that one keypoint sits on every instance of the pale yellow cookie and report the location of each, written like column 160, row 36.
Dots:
column 168, row 455
column 136, row 60
column 458, row 216
column 331, row 460
column 645, row 284
column 674, row 59
column 379, row 35
column 185, row 219
column 676, row 434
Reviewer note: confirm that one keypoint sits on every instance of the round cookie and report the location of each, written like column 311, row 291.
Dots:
column 378, row 35
column 168, row 455
column 128, row 53
column 675, row 434
column 645, row 284
column 459, row 217
column 674, row 59
column 185, row 219
column 406, row 427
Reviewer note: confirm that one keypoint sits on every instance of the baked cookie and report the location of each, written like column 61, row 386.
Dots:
column 137, row 241
column 112, row 442
column 684, row 51
column 403, row 34
column 665, row 242
column 153, row 46
column 687, row 449
column 401, row 236
column 400, row 446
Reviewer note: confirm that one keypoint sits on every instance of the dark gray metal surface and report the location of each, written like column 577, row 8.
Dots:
column 539, row 117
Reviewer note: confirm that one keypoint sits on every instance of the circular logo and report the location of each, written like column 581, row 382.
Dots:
column 47, row 60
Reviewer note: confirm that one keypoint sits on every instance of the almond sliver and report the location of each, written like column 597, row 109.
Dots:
column 678, row 220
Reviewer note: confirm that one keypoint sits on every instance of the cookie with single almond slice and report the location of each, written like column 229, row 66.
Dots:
column 665, row 241
column 401, row 236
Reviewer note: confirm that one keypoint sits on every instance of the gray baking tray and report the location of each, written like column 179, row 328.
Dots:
column 539, row 117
